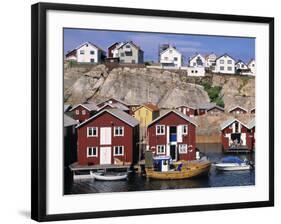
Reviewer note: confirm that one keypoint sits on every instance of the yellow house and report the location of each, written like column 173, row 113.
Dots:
column 145, row 114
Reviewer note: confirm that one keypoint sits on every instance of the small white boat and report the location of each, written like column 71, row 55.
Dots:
column 232, row 163
column 102, row 176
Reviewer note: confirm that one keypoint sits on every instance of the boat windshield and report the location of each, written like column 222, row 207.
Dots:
column 232, row 159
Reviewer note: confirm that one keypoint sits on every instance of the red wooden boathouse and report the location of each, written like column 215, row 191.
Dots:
column 237, row 110
column 237, row 136
column 110, row 134
column 187, row 110
column 173, row 134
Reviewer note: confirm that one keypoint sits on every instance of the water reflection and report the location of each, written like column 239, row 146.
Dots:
column 140, row 183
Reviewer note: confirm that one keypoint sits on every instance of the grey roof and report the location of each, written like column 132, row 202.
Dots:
column 68, row 121
column 237, row 106
column 225, row 55
column 206, row 105
column 116, row 113
column 119, row 106
column 252, row 123
column 215, row 106
column 176, row 112
column 230, row 121
column 113, row 98
column 66, row 107
column 88, row 106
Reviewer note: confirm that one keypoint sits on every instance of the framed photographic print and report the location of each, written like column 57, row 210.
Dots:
column 139, row 111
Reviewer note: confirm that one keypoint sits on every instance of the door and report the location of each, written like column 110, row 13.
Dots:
column 105, row 155
column 105, row 136
column 173, row 151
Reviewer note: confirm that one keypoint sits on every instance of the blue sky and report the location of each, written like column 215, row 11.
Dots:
column 188, row 45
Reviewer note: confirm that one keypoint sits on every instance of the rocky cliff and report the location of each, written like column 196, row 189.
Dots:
column 167, row 89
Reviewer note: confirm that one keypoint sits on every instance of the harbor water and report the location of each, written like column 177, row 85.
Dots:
column 140, row 183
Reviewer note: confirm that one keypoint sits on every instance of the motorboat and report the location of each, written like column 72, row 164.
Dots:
column 109, row 176
column 232, row 163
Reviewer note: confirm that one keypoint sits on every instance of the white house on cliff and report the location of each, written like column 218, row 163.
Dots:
column 171, row 58
column 225, row 64
column 87, row 53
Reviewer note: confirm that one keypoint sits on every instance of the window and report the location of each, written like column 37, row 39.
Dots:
column 92, row 52
column 175, row 59
column 165, row 58
column 84, row 112
column 196, row 71
column 118, row 150
column 160, row 129
column 182, row 148
column 170, row 51
column 229, row 68
column 92, row 132
column 160, row 149
column 192, row 71
column 122, row 54
column 194, row 63
column 229, row 62
column 92, row 151
column 92, row 60
column 184, row 129
column 221, row 61
column 128, row 46
column 82, row 52
column 129, row 53
column 118, row 131
column 86, row 45
column 221, row 68
column 253, row 65
column 242, row 66
column 77, row 112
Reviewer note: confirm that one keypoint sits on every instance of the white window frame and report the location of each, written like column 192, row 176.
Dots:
column 221, row 68
column 229, row 62
column 185, row 133
column 229, row 68
column 157, row 150
column 77, row 111
column 123, row 130
column 181, row 150
column 83, row 112
column 160, row 125
column 221, row 61
column 96, row 135
column 82, row 52
column 118, row 154
column 88, row 150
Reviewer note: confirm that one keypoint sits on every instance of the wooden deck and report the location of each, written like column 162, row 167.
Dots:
column 77, row 167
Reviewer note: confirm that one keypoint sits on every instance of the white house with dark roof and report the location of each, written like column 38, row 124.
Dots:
column 171, row 58
column 210, row 61
column 225, row 64
column 86, row 53
column 241, row 67
column 129, row 52
column 197, row 61
column 252, row 66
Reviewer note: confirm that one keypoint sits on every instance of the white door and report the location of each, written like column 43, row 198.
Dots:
column 105, row 155
column 105, row 136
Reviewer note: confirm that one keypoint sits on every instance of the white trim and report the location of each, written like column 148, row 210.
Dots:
column 231, row 121
column 115, row 127
column 122, row 147
column 160, row 125
column 185, row 150
column 160, row 153
column 108, row 111
column 92, row 147
column 97, row 132
column 77, row 112
column 83, row 112
column 185, row 133
column 233, row 108
column 81, row 106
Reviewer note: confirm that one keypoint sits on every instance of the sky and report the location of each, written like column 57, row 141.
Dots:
column 237, row 47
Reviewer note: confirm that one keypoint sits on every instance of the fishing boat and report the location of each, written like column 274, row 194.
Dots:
column 109, row 177
column 164, row 169
column 232, row 163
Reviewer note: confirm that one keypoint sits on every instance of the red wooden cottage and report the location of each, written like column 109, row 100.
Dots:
column 215, row 110
column 82, row 112
column 187, row 110
column 203, row 108
column 107, row 136
column 119, row 104
column 253, row 110
column 173, row 134
column 237, row 110
column 236, row 135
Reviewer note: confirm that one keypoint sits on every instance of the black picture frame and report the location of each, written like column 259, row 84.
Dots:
column 39, row 122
